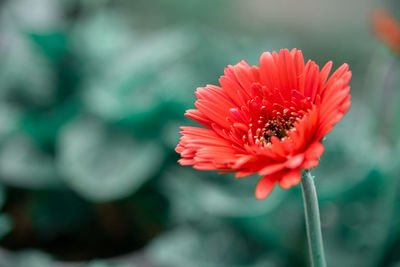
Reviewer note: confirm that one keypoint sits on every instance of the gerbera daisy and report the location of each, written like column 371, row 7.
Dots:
column 386, row 29
column 268, row 119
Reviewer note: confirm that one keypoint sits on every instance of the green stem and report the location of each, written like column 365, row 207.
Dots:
column 313, row 223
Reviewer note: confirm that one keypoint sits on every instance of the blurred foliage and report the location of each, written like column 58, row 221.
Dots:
column 92, row 94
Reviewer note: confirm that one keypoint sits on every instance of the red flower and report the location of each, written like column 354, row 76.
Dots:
column 268, row 120
column 387, row 29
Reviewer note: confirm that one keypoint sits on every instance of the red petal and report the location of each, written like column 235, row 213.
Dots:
column 264, row 187
column 314, row 151
column 295, row 161
column 270, row 169
column 290, row 178
column 241, row 174
column 312, row 163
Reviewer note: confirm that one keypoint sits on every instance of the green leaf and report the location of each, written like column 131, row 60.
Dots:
column 52, row 44
column 29, row 258
column 211, row 244
column 24, row 165
column 26, row 76
column 195, row 194
column 98, row 263
column 104, row 165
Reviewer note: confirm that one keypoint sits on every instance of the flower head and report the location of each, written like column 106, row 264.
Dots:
column 268, row 119
column 387, row 29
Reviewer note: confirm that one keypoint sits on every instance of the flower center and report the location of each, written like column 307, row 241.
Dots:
column 273, row 127
column 268, row 114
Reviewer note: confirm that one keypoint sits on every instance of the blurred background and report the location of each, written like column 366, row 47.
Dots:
column 92, row 94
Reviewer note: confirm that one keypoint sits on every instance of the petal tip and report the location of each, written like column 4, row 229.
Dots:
column 264, row 187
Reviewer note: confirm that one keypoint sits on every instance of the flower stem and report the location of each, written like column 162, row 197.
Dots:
column 313, row 223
